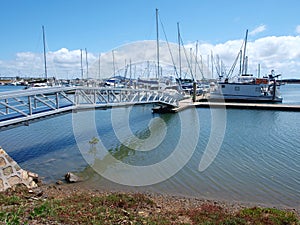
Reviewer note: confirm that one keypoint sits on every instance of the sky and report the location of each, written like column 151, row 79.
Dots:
column 123, row 31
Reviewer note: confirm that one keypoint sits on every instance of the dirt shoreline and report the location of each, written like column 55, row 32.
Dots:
column 73, row 204
column 164, row 201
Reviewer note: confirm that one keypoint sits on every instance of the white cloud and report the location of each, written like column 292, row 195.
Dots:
column 60, row 63
column 257, row 30
column 279, row 53
column 298, row 29
column 138, row 53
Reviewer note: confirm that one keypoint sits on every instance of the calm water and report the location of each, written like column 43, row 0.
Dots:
column 258, row 160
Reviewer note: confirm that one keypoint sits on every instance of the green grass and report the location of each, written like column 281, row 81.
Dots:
column 119, row 208
column 269, row 216
column 211, row 214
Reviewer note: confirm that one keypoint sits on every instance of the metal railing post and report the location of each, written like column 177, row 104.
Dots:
column 29, row 105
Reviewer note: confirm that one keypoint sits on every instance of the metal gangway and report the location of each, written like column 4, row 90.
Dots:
column 20, row 107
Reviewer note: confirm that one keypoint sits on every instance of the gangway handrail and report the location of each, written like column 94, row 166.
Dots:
column 24, row 105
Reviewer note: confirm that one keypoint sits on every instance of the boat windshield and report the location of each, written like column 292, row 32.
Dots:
column 244, row 79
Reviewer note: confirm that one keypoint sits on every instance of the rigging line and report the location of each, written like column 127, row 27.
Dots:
column 239, row 55
column 50, row 61
column 233, row 65
column 223, row 66
column 169, row 48
column 197, row 63
column 172, row 58
column 217, row 65
column 201, row 71
column 151, row 31
column 189, row 65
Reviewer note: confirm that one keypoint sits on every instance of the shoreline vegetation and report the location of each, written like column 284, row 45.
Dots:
column 74, row 204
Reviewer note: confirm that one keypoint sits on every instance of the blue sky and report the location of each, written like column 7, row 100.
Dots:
column 101, row 26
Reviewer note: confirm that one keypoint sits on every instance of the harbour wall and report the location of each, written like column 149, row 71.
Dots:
column 11, row 174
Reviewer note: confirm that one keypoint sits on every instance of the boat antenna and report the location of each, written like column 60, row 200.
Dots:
column 45, row 60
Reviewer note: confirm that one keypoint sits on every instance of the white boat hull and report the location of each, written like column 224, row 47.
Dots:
column 246, row 92
column 239, row 98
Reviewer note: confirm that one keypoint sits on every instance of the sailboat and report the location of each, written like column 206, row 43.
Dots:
column 44, row 83
column 246, row 87
column 165, row 82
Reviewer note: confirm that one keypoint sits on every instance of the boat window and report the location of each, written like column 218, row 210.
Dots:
column 237, row 88
column 223, row 85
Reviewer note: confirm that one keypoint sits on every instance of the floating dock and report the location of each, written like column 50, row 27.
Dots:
column 187, row 103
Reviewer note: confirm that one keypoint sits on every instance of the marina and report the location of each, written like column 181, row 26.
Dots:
column 123, row 123
column 258, row 163
column 150, row 112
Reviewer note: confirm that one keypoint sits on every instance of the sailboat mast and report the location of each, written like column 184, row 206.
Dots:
column 113, row 58
column 87, row 65
column 244, row 55
column 196, row 58
column 179, row 53
column 157, row 43
column 99, row 66
column 212, row 64
column 246, row 64
column 81, row 68
column 45, row 60
column 191, row 58
column 130, row 71
column 240, row 55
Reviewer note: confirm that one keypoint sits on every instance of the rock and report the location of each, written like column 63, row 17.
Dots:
column 2, row 162
column 34, row 176
column 38, row 192
column 71, row 178
column 14, row 180
column 32, row 184
column 19, row 188
column 59, row 182
column 7, row 171
column 24, row 175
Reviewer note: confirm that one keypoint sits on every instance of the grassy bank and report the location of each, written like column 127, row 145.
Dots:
column 64, row 205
